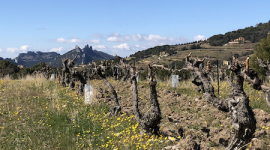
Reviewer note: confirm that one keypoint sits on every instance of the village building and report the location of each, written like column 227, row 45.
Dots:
column 163, row 54
column 237, row 41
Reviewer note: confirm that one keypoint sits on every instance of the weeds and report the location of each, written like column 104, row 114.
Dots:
column 37, row 114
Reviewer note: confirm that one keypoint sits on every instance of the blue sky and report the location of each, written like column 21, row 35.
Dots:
column 120, row 27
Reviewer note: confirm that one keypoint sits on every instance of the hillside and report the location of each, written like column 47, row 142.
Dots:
column 251, row 34
column 177, row 54
column 32, row 58
column 216, row 47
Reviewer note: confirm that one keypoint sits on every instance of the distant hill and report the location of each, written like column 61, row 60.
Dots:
column 84, row 55
column 151, row 51
column 31, row 58
column 252, row 34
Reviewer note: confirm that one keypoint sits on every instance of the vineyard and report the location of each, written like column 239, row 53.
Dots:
column 37, row 113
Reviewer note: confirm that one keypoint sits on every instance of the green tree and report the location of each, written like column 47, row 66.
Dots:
column 193, row 46
column 184, row 48
column 37, row 67
column 24, row 71
column 163, row 74
column 8, row 68
column 253, row 34
column 262, row 51
column 198, row 46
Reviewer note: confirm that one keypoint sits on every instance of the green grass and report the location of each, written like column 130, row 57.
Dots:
column 39, row 114
column 43, row 115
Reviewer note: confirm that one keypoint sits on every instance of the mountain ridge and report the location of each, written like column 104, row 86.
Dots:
column 84, row 55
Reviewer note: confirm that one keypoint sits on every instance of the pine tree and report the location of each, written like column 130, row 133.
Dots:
column 262, row 51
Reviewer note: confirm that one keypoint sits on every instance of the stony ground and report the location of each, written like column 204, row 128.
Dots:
column 187, row 117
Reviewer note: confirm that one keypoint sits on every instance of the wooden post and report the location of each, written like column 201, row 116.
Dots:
column 208, row 66
column 247, row 63
column 217, row 77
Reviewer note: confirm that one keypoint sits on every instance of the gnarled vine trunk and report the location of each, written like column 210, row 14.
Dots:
column 198, row 83
column 81, row 78
column 150, row 120
column 46, row 71
column 243, row 120
column 117, row 108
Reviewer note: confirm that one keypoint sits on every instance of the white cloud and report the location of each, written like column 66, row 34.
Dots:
column 75, row 39
column 115, row 39
column 100, row 47
column 139, row 42
column 0, row 50
column 122, row 46
column 161, row 40
column 199, row 37
column 24, row 47
column 12, row 49
column 154, row 39
column 130, row 43
column 62, row 40
column 56, row 49
column 115, row 34
column 95, row 41
column 151, row 38
column 134, row 37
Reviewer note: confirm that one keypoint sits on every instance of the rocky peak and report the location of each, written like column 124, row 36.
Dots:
column 86, row 46
column 31, row 53
column 87, row 49
column 18, row 60
column 77, row 48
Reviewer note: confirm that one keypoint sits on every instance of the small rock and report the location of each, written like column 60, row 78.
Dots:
column 185, row 144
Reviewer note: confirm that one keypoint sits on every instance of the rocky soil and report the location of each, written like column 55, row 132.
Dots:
column 187, row 119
